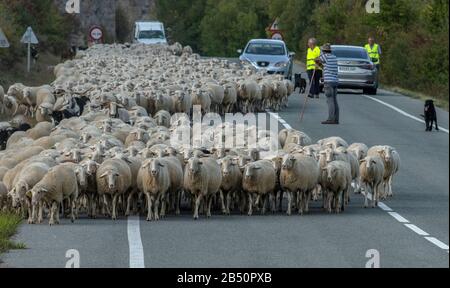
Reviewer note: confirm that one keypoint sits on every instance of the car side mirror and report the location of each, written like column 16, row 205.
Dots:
column 291, row 54
column 239, row 51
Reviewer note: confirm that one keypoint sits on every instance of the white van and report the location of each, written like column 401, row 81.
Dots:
column 149, row 33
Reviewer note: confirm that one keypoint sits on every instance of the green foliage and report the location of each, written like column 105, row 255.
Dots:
column 47, row 22
column 8, row 226
column 413, row 34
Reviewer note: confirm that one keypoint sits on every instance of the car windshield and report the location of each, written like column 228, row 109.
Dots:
column 152, row 34
column 265, row 49
column 351, row 53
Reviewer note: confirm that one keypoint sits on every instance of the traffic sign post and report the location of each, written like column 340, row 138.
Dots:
column 3, row 40
column 29, row 38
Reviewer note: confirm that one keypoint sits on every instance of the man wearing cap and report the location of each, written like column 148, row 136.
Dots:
column 329, row 63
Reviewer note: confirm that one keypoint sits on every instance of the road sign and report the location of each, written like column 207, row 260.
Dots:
column 3, row 40
column 29, row 37
column 277, row 36
column 274, row 30
column 96, row 33
column 274, row 27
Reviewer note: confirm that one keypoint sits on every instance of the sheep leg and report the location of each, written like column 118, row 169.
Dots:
column 250, row 204
column 41, row 213
column 159, row 199
column 208, row 211
column 149, row 207
column 229, row 200
column 280, row 200
column 94, row 200
column 178, row 203
column 307, row 199
column 264, row 203
column 115, row 199
column 289, row 198
column 53, row 211
column 73, row 210
column 300, row 202
column 222, row 202
column 29, row 211
column 366, row 198
column 198, row 200
column 33, row 214
column 129, row 200
column 390, row 194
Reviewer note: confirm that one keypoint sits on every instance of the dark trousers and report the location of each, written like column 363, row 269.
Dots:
column 315, row 83
column 333, row 106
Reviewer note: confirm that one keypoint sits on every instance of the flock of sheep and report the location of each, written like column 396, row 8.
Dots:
column 99, row 140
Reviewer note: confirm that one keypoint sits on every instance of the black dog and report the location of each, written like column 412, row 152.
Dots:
column 5, row 134
column 300, row 83
column 430, row 115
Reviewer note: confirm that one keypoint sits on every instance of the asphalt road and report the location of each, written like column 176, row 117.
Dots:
column 410, row 230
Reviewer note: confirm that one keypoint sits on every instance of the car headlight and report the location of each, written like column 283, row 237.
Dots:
column 282, row 64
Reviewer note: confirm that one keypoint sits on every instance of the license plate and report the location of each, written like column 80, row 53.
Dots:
column 346, row 69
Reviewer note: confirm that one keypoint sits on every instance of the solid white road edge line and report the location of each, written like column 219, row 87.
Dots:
column 381, row 205
column 135, row 243
column 402, row 112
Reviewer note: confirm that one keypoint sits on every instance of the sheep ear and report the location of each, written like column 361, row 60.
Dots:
column 373, row 162
column 362, row 161
column 29, row 194
column 258, row 167
column 161, row 165
column 104, row 175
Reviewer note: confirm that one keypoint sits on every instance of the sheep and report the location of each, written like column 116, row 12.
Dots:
column 59, row 184
column 202, row 179
column 163, row 118
column 202, row 98
column 217, row 95
column 288, row 136
column 391, row 161
column 338, row 181
column 259, row 180
column 300, row 175
column 230, row 97
column 30, row 175
column 155, row 183
column 372, row 175
column 231, row 182
column 113, row 180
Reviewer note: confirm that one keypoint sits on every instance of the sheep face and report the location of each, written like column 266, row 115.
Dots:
column 227, row 165
column 194, row 166
column 37, row 193
column 21, row 190
column 111, row 178
column 81, row 176
column 288, row 162
column 250, row 171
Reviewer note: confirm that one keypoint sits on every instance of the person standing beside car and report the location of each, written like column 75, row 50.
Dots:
column 329, row 62
column 314, row 72
column 374, row 51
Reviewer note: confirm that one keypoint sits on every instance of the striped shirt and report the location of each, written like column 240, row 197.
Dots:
column 330, row 70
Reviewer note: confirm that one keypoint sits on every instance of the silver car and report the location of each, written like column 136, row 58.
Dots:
column 356, row 70
column 270, row 55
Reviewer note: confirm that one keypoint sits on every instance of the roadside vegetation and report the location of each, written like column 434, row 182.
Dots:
column 8, row 227
column 413, row 34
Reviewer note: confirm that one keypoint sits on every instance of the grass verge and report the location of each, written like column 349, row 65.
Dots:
column 8, row 227
column 439, row 102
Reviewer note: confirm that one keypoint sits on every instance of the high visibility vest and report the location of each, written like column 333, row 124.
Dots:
column 311, row 58
column 373, row 53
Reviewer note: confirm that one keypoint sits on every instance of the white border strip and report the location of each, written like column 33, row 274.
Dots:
column 402, row 112
column 437, row 243
column 398, row 217
column 417, row 230
column 135, row 243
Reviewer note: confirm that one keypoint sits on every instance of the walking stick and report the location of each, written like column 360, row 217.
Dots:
column 306, row 97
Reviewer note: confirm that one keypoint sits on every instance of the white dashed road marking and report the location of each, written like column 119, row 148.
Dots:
column 398, row 217
column 417, row 230
column 135, row 243
column 402, row 112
